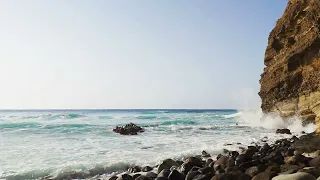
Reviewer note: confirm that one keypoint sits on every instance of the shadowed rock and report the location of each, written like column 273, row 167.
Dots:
column 129, row 129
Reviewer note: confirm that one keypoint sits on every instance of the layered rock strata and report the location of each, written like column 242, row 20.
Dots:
column 290, row 83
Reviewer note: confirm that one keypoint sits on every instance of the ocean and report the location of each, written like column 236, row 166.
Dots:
column 53, row 143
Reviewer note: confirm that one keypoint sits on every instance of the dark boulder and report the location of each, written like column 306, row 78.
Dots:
column 265, row 147
column 141, row 177
column 125, row 177
column 296, row 160
column 205, row 154
column 135, row 176
column 167, row 164
column 307, row 143
column 206, row 170
column 315, row 162
column 223, row 162
column 151, row 175
column 203, row 177
column 252, row 171
column 283, row 131
column 175, row 175
column 289, row 152
column 192, row 174
column 232, row 169
column 194, row 161
column 286, row 168
column 234, row 154
column 249, row 164
column 232, row 176
column 162, row 178
column 134, row 169
column 295, row 176
column 219, row 171
column 129, row 129
column 185, row 168
column 146, row 169
column 208, row 162
column 315, row 172
column 274, row 168
column 164, row 173
column 113, row 178
column 265, row 176
column 242, row 158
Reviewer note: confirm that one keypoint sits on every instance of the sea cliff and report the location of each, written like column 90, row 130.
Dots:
column 290, row 83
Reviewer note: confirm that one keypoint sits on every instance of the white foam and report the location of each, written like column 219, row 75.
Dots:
column 256, row 118
column 55, row 152
column 238, row 114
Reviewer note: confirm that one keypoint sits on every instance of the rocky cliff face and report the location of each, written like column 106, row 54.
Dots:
column 290, row 83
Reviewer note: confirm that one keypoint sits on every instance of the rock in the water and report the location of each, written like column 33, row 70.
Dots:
column 205, row 154
column 113, row 178
column 134, row 169
column 295, row 176
column 146, row 169
column 129, row 129
column 167, row 164
column 283, row 131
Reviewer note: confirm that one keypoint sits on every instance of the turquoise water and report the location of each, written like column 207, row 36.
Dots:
column 35, row 144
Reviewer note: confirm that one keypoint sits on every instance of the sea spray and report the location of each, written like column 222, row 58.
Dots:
column 256, row 118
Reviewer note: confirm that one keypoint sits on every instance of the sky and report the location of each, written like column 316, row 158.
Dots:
column 87, row 54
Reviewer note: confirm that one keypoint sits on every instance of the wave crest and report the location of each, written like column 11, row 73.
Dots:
column 71, row 172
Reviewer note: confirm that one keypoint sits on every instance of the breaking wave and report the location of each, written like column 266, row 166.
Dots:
column 71, row 172
column 256, row 118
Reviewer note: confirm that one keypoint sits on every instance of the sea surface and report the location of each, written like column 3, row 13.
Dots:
column 39, row 143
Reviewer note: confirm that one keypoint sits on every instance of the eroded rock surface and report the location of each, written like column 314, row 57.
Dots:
column 290, row 83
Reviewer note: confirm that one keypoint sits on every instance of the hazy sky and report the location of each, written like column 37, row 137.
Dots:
column 133, row 53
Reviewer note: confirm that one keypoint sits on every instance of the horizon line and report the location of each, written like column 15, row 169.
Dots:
column 125, row 109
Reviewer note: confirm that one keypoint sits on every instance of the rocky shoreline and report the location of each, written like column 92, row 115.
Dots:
column 286, row 159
